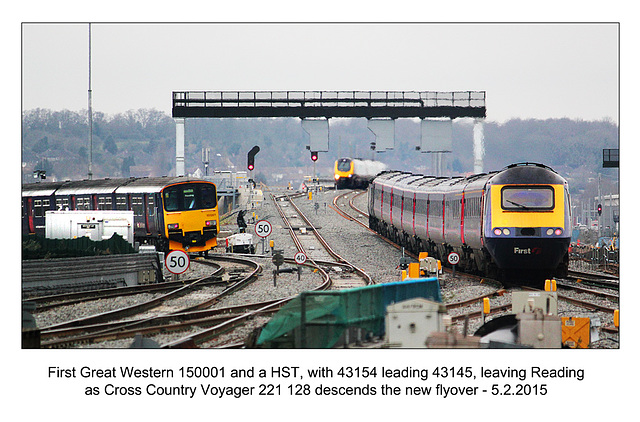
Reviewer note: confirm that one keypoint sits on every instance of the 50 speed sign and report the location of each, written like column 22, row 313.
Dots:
column 177, row 262
column 263, row 228
column 453, row 258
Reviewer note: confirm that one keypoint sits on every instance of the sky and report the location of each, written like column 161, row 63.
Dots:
column 540, row 70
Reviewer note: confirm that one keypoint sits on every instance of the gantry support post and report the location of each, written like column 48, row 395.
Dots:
column 478, row 146
column 179, row 146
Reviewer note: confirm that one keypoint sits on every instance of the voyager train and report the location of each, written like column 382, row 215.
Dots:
column 513, row 224
column 354, row 173
column 172, row 213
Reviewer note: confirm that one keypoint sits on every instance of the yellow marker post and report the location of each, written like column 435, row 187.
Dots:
column 550, row 285
column 486, row 308
column 310, row 195
column 404, row 274
column 616, row 318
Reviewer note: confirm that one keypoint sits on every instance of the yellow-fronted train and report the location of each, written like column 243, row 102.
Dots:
column 172, row 213
column 512, row 225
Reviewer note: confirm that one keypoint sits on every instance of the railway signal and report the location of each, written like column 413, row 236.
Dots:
column 599, row 209
column 314, row 156
column 251, row 157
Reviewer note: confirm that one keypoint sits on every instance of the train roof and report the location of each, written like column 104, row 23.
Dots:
column 104, row 186
column 527, row 173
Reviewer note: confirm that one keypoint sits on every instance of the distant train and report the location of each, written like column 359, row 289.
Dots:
column 511, row 225
column 172, row 213
column 354, row 173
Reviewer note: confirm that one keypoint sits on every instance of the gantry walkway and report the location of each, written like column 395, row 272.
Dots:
column 328, row 104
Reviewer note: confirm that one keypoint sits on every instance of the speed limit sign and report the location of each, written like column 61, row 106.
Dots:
column 263, row 228
column 300, row 258
column 453, row 258
column 177, row 262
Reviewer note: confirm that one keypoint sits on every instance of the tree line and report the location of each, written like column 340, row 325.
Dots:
column 142, row 143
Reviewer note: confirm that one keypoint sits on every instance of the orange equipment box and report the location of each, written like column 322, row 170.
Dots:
column 576, row 332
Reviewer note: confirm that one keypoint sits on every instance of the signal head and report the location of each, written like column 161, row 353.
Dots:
column 314, row 155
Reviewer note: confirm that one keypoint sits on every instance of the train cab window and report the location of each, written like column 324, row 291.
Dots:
column 189, row 197
column 344, row 165
column 208, row 196
column 527, row 198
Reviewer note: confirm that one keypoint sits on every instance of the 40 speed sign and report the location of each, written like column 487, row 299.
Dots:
column 177, row 262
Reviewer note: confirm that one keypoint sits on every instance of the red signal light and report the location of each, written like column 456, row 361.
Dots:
column 250, row 166
column 314, row 155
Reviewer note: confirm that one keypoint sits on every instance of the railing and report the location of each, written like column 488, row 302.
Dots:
column 329, row 99
column 585, row 258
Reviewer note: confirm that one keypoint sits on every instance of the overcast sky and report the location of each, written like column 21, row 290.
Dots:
column 527, row 70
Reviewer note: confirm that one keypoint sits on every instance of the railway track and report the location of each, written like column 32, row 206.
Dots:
column 317, row 249
column 123, row 322
column 599, row 301
column 44, row 303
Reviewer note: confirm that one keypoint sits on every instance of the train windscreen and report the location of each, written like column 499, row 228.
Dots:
column 344, row 165
column 527, row 198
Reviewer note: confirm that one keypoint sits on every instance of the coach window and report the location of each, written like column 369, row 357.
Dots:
column 121, row 202
column 151, row 206
column 136, row 205
column 37, row 207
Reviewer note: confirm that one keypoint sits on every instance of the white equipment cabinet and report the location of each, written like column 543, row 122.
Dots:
column 409, row 323
column 96, row 225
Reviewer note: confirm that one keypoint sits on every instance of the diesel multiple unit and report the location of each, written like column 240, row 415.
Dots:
column 510, row 224
column 172, row 213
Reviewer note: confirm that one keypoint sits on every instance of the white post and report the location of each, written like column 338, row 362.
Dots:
column 179, row 146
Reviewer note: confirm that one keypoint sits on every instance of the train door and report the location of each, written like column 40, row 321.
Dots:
column 28, row 213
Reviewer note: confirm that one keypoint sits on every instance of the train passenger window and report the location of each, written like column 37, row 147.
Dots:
column 136, row 205
column 37, row 206
column 524, row 198
column 121, row 202
column 150, row 206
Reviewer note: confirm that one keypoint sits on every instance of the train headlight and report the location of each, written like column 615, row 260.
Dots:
column 506, row 232
column 558, row 232
column 211, row 223
column 173, row 226
column 337, row 177
column 497, row 232
column 549, row 232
